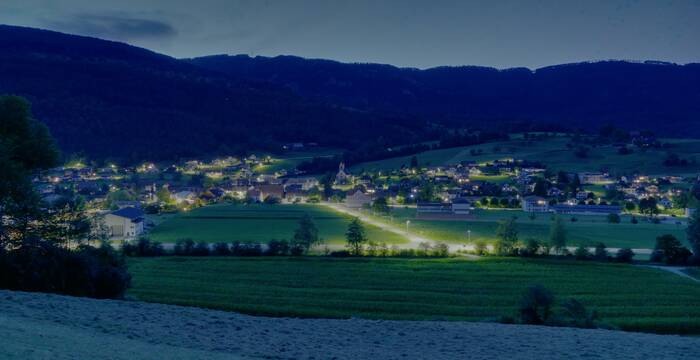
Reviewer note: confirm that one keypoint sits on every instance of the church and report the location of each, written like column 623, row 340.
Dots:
column 342, row 177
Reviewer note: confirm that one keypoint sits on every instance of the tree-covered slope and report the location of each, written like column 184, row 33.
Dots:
column 651, row 95
column 109, row 99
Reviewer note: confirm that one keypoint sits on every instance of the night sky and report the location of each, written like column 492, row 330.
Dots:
column 412, row 33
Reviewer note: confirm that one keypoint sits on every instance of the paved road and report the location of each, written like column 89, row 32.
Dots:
column 678, row 270
column 413, row 240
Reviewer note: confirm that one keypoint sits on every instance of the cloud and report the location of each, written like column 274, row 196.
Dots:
column 116, row 27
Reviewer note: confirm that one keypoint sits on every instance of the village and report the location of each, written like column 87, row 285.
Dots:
column 124, row 196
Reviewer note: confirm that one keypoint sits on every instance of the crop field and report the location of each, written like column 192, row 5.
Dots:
column 258, row 223
column 630, row 297
column 587, row 230
column 554, row 153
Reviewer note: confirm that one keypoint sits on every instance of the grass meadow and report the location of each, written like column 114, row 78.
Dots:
column 630, row 297
column 587, row 230
column 554, row 153
column 258, row 223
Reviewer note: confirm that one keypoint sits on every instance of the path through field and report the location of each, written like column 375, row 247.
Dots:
column 414, row 240
column 678, row 270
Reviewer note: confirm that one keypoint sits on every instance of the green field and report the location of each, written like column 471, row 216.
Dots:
column 554, row 153
column 587, row 230
column 630, row 297
column 258, row 223
column 292, row 159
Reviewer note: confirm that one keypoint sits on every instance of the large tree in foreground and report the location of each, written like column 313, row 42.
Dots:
column 25, row 147
column 33, row 255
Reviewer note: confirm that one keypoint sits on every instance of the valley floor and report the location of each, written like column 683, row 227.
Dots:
column 43, row 326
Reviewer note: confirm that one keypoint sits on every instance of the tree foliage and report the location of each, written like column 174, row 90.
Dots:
column 507, row 234
column 693, row 232
column 557, row 235
column 355, row 236
column 306, row 234
column 40, row 244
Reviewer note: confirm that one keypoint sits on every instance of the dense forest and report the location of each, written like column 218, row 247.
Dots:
column 656, row 96
column 113, row 101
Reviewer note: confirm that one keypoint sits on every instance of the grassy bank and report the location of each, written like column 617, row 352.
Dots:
column 258, row 223
column 586, row 230
column 630, row 297
column 554, row 153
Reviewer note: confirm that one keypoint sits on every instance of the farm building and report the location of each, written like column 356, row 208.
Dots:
column 433, row 208
column 587, row 209
column 461, row 206
column 535, row 204
column 272, row 191
column 357, row 200
column 593, row 178
column 125, row 223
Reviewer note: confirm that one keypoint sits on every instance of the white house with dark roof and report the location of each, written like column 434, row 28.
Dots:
column 125, row 223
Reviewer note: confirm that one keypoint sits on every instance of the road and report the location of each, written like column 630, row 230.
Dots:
column 413, row 240
column 678, row 270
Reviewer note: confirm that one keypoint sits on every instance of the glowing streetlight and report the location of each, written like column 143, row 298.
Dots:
column 408, row 222
column 469, row 235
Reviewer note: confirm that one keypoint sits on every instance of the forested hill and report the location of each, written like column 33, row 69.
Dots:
column 112, row 100
column 651, row 95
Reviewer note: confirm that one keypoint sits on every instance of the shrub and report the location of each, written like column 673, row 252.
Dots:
column 296, row 250
column 277, row 248
column 575, row 314
column 184, row 247
column 239, row 249
column 221, row 249
column 532, row 248
column 383, row 249
column 624, row 255
column 144, row 247
column 614, row 218
column 536, row 305
column 441, row 250
column 601, row 252
column 668, row 249
column 201, row 249
column 340, row 253
column 656, row 256
column 582, row 253
column 371, row 248
column 424, row 248
column 45, row 267
column 480, row 247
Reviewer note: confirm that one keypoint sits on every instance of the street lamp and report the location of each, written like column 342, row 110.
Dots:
column 469, row 235
column 407, row 223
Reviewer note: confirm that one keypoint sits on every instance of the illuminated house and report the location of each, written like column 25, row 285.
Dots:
column 125, row 223
column 357, row 200
column 535, row 204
